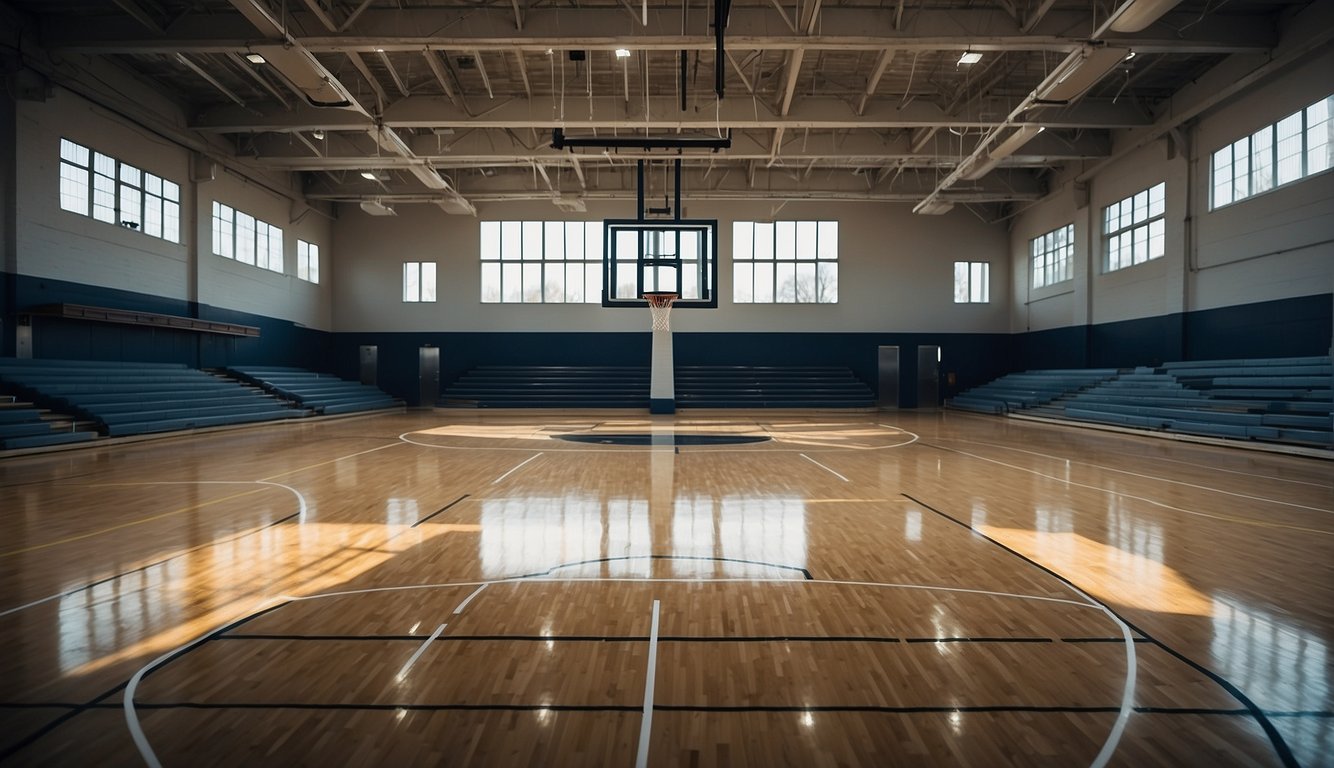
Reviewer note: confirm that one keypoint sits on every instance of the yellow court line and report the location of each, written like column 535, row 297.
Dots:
column 69, row 539
column 330, row 461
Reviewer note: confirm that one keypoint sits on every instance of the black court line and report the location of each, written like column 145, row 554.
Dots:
column 548, row 572
column 93, row 703
column 668, row 638
column 1275, row 738
column 177, row 556
column 442, row 509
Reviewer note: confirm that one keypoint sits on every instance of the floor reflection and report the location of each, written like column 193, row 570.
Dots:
column 1278, row 664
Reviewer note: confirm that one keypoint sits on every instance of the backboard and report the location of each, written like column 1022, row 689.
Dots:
column 672, row 256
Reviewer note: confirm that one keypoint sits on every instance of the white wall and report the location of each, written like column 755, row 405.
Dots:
column 1272, row 246
column 57, row 244
column 895, row 272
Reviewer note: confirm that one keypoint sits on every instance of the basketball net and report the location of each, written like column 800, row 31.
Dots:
column 660, row 307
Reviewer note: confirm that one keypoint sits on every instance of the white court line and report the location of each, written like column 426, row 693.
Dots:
column 646, row 724
column 468, row 599
column 301, row 515
column 821, row 466
column 1224, row 518
column 1109, row 746
column 773, row 436
column 515, row 469
column 1140, row 474
column 407, row 665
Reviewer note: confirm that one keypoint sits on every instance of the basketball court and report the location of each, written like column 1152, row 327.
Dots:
column 456, row 587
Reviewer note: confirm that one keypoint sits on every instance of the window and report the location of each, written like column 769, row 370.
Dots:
column 785, row 262
column 972, row 281
column 1133, row 228
column 307, row 261
column 535, row 262
column 1052, row 255
column 121, row 193
column 419, row 281
column 240, row 236
column 1299, row 145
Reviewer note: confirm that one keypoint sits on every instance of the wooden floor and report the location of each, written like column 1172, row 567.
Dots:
column 461, row 588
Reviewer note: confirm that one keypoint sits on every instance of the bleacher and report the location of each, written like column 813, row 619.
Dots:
column 730, row 386
column 1028, row 389
column 549, row 386
column 137, row 398
column 1285, row 400
column 322, row 393
column 22, row 425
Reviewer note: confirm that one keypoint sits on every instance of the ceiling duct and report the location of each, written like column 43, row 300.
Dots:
column 570, row 203
column 933, row 207
column 377, row 208
column 1080, row 74
column 673, row 141
column 1138, row 14
column 986, row 163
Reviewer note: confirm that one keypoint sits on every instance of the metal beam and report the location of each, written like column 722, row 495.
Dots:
column 263, row 81
column 873, row 82
column 751, row 28
column 224, row 90
column 319, row 13
column 356, row 14
column 481, row 70
column 365, row 71
column 140, row 14
column 791, row 71
column 523, row 74
column 393, row 73
column 442, row 77
column 1032, row 21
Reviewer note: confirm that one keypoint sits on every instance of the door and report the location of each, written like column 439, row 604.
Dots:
column 370, row 364
column 888, row 375
column 928, row 376
column 428, row 376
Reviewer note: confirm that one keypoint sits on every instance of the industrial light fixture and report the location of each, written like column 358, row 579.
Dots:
column 970, row 57
column 1079, row 73
column 622, row 53
column 934, row 207
column 254, row 58
column 1129, row 56
column 1138, row 14
column 370, row 176
column 319, row 135
column 984, row 165
column 377, row 208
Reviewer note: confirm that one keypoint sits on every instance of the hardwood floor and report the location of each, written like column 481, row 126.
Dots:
column 463, row 588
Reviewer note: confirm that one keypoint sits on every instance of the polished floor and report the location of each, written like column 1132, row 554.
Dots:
column 462, row 588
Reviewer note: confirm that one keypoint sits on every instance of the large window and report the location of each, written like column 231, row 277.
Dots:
column 120, row 193
column 785, row 262
column 553, row 262
column 972, row 282
column 418, row 281
column 1299, row 145
column 307, row 261
column 1132, row 228
column 1052, row 255
column 246, row 239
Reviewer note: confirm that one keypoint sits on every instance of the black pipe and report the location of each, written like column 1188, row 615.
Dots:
column 682, row 84
column 639, row 196
column 676, row 214
column 560, row 141
column 721, row 10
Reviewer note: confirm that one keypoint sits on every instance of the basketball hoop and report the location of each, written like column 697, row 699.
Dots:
column 660, row 306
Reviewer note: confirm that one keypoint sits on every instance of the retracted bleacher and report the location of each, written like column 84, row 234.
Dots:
column 323, row 393
column 1028, row 389
column 126, row 398
column 23, row 425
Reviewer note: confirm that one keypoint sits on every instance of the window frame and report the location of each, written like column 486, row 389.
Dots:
column 415, row 290
column 1136, row 226
column 806, row 246
column 523, row 251
column 971, row 283
column 247, row 239
column 1261, row 150
column 109, row 190
column 307, row 261
column 1052, row 256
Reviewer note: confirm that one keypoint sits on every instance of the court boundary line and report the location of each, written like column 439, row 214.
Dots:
column 407, row 665
column 516, row 468
column 150, row 758
column 827, row 469
column 1275, row 738
column 650, row 678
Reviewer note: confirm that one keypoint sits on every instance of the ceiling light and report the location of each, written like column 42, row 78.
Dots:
column 1079, row 72
column 319, row 135
column 368, row 175
column 254, row 58
column 622, row 53
column 377, row 208
column 970, row 57
column 935, row 207
column 1129, row 56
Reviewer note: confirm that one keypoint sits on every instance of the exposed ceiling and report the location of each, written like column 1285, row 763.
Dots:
column 454, row 101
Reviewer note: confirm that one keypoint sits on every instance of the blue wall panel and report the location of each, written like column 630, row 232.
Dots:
column 1288, row 328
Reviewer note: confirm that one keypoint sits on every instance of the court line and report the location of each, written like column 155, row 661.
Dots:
column 516, row 468
column 146, row 750
column 1150, row 458
column 875, row 639
column 635, row 449
column 403, row 672
column 331, row 461
column 468, row 599
column 1140, row 474
column 301, row 514
column 650, row 676
column 1225, row 518
column 442, row 509
column 821, row 466
column 1275, row 738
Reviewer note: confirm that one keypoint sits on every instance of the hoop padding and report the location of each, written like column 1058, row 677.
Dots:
column 660, row 307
